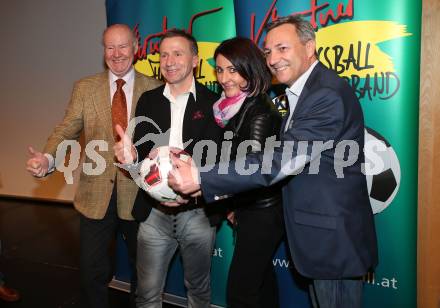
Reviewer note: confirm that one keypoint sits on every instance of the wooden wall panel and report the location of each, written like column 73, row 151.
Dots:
column 429, row 160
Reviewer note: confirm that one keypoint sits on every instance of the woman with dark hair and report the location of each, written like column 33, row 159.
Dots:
column 246, row 111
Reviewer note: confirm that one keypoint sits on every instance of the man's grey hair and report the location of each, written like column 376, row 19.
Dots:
column 303, row 28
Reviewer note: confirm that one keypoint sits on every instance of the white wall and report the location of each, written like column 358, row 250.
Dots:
column 45, row 46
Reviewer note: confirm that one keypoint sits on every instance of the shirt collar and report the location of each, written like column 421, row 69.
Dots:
column 127, row 77
column 299, row 84
column 192, row 89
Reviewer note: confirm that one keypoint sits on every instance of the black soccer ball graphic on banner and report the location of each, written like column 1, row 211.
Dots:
column 382, row 169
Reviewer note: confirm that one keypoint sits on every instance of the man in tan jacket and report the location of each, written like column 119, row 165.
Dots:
column 104, row 199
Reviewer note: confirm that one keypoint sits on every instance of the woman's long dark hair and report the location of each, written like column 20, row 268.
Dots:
column 249, row 62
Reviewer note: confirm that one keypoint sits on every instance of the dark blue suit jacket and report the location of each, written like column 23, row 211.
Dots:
column 329, row 221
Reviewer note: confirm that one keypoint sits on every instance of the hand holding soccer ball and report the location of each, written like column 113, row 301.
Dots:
column 154, row 174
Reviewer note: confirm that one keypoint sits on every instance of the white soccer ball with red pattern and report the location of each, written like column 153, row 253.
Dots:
column 154, row 173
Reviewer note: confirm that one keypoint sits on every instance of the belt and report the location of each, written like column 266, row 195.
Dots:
column 174, row 210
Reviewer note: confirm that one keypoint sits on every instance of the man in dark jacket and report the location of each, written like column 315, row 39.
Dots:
column 183, row 108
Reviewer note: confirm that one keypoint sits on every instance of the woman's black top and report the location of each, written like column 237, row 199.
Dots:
column 256, row 120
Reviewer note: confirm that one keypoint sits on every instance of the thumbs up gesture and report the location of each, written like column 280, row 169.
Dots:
column 37, row 164
column 124, row 150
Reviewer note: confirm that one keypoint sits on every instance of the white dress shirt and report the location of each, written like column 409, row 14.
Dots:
column 294, row 92
column 178, row 106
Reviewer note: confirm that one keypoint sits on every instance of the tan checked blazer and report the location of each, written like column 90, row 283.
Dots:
column 89, row 110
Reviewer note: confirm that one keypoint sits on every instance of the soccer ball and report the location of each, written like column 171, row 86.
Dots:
column 382, row 170
column 154, row 173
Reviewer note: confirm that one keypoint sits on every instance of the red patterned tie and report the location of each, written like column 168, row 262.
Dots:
column 119, row 108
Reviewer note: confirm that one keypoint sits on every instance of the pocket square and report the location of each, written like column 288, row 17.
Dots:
column 198, row 115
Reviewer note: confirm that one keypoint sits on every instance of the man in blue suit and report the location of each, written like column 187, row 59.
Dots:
column 329, row 222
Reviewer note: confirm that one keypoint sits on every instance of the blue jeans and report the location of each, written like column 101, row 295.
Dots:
column 342, row 293
column 158, row 239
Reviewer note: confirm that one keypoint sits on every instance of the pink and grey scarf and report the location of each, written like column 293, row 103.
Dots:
column 226, row 107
